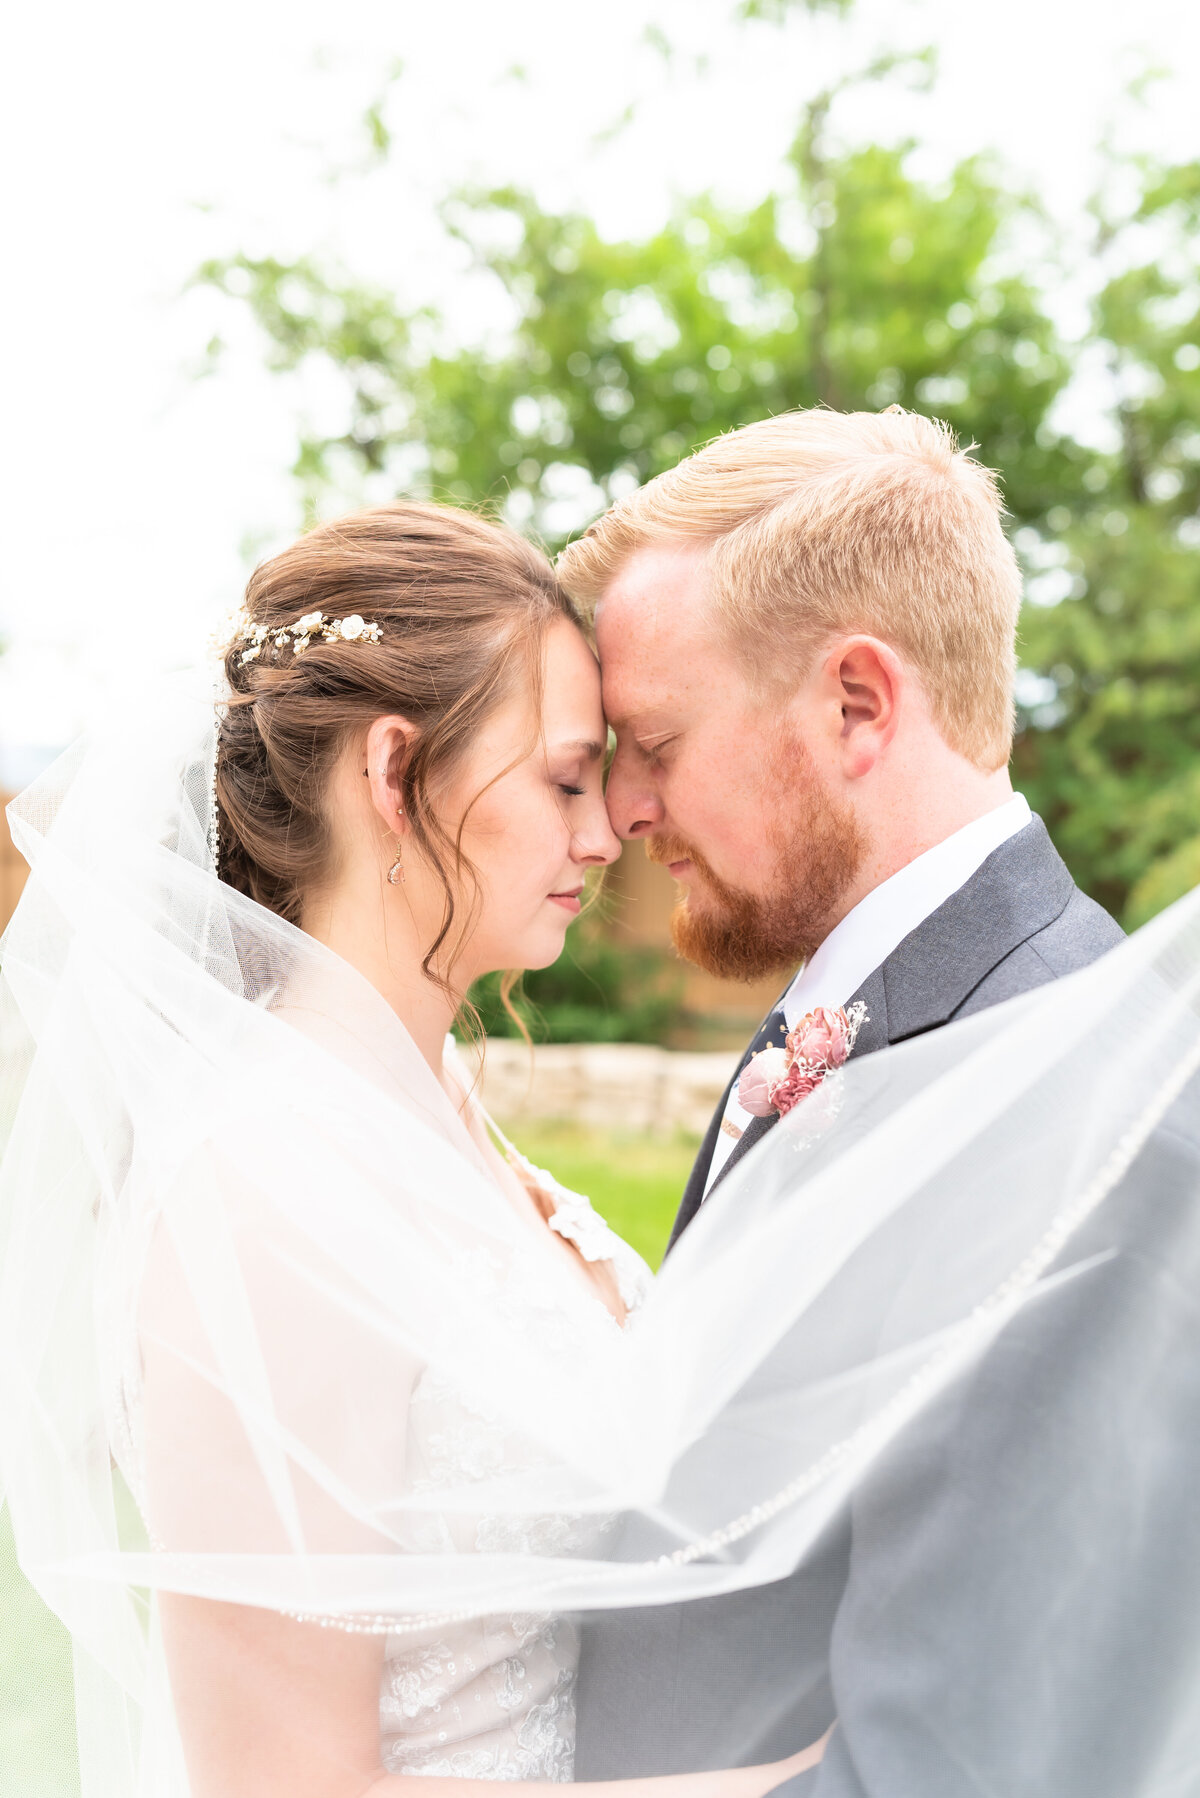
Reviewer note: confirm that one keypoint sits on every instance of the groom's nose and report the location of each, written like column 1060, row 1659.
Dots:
column 634, row 809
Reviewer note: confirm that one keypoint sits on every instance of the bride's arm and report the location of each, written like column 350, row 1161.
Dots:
column 267, row 1706
column 272, row 1708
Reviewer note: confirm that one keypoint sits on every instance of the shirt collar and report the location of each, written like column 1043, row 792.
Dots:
column 879, row 922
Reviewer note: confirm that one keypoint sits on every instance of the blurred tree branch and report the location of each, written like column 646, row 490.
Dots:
column 1111, row 751
column 776, row 12
column 856, row 284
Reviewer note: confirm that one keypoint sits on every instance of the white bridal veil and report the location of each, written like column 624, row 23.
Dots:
column 239, row 1218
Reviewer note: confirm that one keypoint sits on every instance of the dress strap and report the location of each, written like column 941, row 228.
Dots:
column 458, row 1067
column 569, row 1214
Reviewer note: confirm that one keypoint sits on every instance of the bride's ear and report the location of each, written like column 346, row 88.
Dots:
column 388, row 746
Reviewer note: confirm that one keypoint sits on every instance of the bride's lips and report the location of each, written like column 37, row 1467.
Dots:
column 571, row 902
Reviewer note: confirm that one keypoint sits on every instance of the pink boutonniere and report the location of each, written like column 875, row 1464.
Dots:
column 777, row 1079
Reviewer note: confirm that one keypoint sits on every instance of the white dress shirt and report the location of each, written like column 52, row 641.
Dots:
column 878, row 924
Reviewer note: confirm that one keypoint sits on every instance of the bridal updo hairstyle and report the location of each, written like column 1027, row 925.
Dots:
column 463, row 607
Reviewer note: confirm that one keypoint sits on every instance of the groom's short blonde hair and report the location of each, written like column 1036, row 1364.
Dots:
column 822, row 523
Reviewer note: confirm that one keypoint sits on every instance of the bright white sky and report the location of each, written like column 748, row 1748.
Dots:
column 139, row 137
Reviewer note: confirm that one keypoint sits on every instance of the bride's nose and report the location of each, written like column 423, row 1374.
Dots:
column 596, row 845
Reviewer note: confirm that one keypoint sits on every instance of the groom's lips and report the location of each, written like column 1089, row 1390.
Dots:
column 679, row 867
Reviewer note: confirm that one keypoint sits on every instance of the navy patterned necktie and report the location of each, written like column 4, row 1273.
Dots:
column 771, row 1034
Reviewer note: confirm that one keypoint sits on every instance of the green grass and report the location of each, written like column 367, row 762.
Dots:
column 635, row 1181
column 37, row 1705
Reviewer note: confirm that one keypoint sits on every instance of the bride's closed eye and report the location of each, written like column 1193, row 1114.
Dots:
column 575, row 780
column 569, row 780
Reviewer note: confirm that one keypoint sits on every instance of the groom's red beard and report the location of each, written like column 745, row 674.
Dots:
column 738, row 935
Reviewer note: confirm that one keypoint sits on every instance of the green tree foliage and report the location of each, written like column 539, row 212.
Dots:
column 1111, row 754
column 776, row 11
column 857, row 283
column 598, row 991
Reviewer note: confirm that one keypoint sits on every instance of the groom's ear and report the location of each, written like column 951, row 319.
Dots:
column 864, row 680
column 385, row 754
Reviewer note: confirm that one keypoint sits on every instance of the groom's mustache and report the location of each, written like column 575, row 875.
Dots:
column 740, row 935
column 665, row 850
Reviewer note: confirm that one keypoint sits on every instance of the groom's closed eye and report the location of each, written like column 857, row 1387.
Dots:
column 650, row 741
column 654, row 748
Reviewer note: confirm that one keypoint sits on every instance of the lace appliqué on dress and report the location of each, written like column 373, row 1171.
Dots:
column 576, row 1220
column 494, row 1697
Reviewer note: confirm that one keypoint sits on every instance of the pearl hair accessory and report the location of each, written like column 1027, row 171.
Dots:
column 312, row 627
column 220, row 707
column 214, row 805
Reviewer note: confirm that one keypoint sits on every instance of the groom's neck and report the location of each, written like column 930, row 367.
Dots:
column 902, row 820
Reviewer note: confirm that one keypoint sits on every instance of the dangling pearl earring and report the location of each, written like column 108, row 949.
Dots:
column 395, row 873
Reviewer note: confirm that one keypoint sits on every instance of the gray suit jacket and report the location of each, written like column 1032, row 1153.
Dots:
column 754, row 1676
column 1019, row 922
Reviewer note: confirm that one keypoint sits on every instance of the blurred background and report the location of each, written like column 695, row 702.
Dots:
column 272, row 263
column 265, row 263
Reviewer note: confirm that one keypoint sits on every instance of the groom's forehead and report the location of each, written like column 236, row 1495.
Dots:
column 655, row 638
column 657, row 596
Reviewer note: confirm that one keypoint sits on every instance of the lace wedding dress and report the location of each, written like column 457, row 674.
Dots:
column 221, row 1150
column 494, row 1697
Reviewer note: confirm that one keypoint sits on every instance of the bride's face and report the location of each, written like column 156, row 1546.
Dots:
column 531, row 799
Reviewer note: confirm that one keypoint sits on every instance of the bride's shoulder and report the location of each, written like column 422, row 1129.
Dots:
column 572, row 1216
column 568, row 1213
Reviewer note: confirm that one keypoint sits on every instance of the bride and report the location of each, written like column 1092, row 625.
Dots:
column 324, row 1416
column 406, row 794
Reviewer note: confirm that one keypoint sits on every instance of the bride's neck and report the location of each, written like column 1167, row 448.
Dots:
column 382, row 943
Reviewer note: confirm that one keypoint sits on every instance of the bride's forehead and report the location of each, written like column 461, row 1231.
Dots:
column 571, row 723
column 571, row 677
column 567, row 649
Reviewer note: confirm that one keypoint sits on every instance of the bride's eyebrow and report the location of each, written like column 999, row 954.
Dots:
column 591, row 752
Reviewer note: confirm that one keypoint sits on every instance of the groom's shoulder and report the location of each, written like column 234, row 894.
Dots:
column 1067, row 930
column 1082, row 932
column 1053, row 928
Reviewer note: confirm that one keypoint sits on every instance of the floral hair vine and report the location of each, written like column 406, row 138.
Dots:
column 314, row 626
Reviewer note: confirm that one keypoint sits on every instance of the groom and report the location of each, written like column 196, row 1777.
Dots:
column 806, row 633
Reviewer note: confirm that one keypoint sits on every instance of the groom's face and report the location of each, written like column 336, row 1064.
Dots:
column 716, row 777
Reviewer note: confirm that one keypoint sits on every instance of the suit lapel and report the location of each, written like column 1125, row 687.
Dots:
column 873, row 1032
column 693, row 1195
column 754, row 1132
column 1021, row 887
column 693, row 1192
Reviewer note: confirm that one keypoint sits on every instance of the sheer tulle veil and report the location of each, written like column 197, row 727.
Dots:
column 238, row 1215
